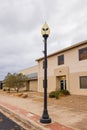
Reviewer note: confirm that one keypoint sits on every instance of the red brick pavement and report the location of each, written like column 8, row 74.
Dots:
column 34, row 117
column 57, row 126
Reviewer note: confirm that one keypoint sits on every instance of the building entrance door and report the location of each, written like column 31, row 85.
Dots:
column 63, row 84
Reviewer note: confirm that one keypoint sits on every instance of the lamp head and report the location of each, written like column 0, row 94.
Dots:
column 45, row 31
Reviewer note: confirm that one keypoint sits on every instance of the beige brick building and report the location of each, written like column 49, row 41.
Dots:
column 67, row 69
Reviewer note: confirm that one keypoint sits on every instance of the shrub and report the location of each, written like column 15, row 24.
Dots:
column 57, row 94
column 64, row 92
column 4, row 89
column 52, row 94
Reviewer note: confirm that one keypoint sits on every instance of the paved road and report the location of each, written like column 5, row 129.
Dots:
column 8, row 124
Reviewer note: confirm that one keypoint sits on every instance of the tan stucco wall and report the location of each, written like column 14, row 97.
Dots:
column 33, row 85
column 63, row 71
column 72, row 60
column 30, row 70
column 72, row 69
column 75, row 83
column 50, row 83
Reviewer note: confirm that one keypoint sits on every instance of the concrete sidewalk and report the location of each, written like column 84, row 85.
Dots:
column 30, row 118
column 66, row 113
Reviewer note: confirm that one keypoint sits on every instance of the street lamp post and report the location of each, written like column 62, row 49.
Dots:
column 45, row 33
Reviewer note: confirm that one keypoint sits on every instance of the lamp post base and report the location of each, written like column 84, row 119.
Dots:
column 45, row 121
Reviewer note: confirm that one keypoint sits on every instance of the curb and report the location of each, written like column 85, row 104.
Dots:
column 23, row 119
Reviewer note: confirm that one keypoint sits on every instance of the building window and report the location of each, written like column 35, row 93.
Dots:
column 83, row 54
column 83, row 82
column 60, row 59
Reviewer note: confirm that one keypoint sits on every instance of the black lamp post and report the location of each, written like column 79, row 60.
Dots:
column 45, row 33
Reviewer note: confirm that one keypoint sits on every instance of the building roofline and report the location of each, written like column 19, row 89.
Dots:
column 28, row 68
column 65, row 49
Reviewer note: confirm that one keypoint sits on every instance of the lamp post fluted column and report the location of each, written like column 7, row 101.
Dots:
column 45, row 33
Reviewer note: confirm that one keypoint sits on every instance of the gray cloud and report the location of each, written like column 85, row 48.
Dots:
column 18, row 16
column 20, row 24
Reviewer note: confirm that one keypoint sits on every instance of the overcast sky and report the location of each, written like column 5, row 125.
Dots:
column 21, row 21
